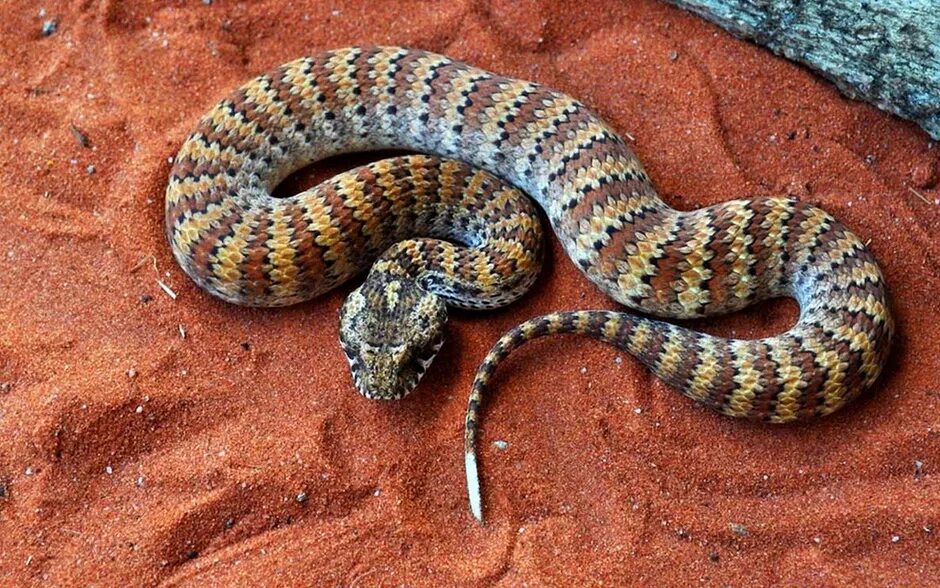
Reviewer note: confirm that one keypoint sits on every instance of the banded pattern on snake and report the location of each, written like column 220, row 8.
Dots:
column 445, row 233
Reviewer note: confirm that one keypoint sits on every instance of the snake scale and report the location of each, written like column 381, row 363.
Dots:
column 454, row 228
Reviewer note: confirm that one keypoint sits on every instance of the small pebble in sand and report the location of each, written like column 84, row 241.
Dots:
column 501, row 445
column 618, row 360
column 131, row 373
column 918, row 469
column 28, row 471
column 713, row 556
column 246, row 345
column 90, row 169
column 682, row 533
column 229, row 523
column 673, row 55
column 4, row 387
column 139, row 482
column 139, row 409
column 895, row 538
column 49, row 27
column 738, row 529
column 108, row 470
column 302, row 497
column 145, row 298
column 926, row 175
column 583, row 370
column 638, row 410
column 3, row 491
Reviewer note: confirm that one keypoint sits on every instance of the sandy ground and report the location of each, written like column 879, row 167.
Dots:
column 148, row 439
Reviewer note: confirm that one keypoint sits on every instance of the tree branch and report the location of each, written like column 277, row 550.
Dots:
column 886, row 52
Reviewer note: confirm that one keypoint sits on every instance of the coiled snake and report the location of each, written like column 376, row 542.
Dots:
column 443, row 233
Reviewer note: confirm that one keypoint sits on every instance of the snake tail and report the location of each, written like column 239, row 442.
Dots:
column 804, row 373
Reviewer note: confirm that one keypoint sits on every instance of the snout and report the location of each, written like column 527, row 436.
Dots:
column 380, row 379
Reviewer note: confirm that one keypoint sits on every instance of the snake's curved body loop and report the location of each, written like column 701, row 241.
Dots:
column 246, row 247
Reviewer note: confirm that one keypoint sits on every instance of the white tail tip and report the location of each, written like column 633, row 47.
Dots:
column 473, row 486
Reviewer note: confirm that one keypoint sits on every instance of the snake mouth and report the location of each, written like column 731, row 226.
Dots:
column 374, row 386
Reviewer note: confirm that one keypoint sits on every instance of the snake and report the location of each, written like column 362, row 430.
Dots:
column 455, row 224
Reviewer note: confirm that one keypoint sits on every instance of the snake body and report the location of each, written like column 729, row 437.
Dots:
column 446, row 234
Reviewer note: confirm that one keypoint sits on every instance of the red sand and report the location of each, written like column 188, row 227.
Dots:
column 130, row 454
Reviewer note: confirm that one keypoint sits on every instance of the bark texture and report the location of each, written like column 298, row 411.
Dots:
column 886, row 52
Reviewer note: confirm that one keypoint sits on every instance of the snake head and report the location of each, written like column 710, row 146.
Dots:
column 390, row 330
